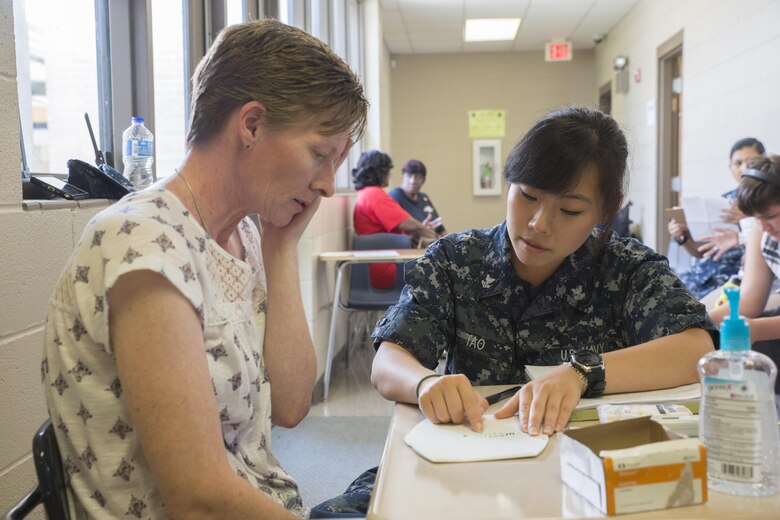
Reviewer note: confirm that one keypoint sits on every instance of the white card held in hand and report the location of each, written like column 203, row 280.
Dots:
column 500, row 439
column 704, row 214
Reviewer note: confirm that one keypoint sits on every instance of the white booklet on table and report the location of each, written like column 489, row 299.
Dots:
column 499, row 439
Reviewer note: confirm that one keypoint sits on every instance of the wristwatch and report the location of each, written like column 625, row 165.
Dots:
column 590, row 365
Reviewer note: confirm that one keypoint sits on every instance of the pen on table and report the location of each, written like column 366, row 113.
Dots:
column 509, row 392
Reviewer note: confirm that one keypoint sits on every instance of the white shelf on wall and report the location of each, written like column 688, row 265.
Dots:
column 59, row 203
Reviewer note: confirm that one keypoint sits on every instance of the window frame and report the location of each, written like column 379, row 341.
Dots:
column 130, row 75
column 125, row 72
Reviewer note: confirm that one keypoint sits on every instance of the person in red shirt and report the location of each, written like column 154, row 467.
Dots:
column 376, row 212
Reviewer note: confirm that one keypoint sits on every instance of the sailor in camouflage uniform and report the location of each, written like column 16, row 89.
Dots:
column 464, row 297
column 539, row 289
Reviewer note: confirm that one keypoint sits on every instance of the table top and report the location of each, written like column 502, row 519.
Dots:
column 369, row 256
column 409, row 486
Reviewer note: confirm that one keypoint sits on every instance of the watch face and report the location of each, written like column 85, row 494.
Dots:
column 587, row 358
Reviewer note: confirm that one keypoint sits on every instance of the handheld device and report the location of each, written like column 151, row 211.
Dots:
column 677, row 214
column 59, row 187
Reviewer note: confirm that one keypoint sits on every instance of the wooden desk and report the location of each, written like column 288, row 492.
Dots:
column 409, row 486
column 343, row 259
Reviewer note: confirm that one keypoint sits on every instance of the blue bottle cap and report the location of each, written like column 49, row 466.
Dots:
column 137, row 120
column 734, row 331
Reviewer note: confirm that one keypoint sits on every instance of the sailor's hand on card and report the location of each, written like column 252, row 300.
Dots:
column 452, row 399
column 545, row 404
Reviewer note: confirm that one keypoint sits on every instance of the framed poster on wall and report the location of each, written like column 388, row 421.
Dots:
column 487, row 167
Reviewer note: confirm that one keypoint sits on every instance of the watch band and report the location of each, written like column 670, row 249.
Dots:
column 583, row 379
column 595, row 375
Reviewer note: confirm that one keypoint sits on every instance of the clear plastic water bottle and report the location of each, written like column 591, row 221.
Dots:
column 138, row 153
column 738, row 418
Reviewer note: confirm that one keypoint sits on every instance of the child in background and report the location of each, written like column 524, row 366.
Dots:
column 758, row 195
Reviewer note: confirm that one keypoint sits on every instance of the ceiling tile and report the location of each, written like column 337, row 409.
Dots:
column 438, row 48
column 388, row 5
column 416, row 26
column 401, row 48
column 392, row 17
column 487, row 46
column 438, row 37
column 495, row 8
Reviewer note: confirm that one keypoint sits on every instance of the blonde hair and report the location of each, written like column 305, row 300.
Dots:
column 295, row 76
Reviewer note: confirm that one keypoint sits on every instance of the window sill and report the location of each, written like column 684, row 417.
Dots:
column 59, row 203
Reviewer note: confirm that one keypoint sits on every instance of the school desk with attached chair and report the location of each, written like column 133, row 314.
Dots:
column 367, row 249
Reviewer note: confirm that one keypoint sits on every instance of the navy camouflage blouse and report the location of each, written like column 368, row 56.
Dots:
column 464, row 297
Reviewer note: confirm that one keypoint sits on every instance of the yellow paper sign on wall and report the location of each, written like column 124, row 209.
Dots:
column 487, row 124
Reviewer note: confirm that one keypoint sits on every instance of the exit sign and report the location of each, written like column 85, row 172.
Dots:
column 557, row 51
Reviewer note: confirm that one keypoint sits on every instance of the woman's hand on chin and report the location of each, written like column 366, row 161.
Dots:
column 291, row 233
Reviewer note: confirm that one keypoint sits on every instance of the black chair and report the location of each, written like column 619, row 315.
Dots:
column 51, row 488
column 362, row 295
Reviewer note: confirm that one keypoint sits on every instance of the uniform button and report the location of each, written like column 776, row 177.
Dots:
column 383, row 321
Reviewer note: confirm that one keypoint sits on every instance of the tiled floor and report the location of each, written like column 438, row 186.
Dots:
column 351, row 392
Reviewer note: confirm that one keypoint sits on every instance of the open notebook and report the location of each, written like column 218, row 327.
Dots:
column 687, row 395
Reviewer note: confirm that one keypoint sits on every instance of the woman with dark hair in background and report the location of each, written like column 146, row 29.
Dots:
column 719, row 257
column 546, row 287
column 376, row 212
column 417, row 203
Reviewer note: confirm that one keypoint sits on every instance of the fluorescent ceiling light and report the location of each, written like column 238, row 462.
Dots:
column 490, row 29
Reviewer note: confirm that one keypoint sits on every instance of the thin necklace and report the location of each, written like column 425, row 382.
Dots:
column 194, row 201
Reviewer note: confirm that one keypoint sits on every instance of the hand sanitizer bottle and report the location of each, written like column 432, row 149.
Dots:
column 738, row 418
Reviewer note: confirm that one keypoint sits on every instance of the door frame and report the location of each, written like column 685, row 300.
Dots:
column 667, row 137
column 605, row 92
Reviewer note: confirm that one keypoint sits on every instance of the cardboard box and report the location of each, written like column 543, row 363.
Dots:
column 633, row 465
